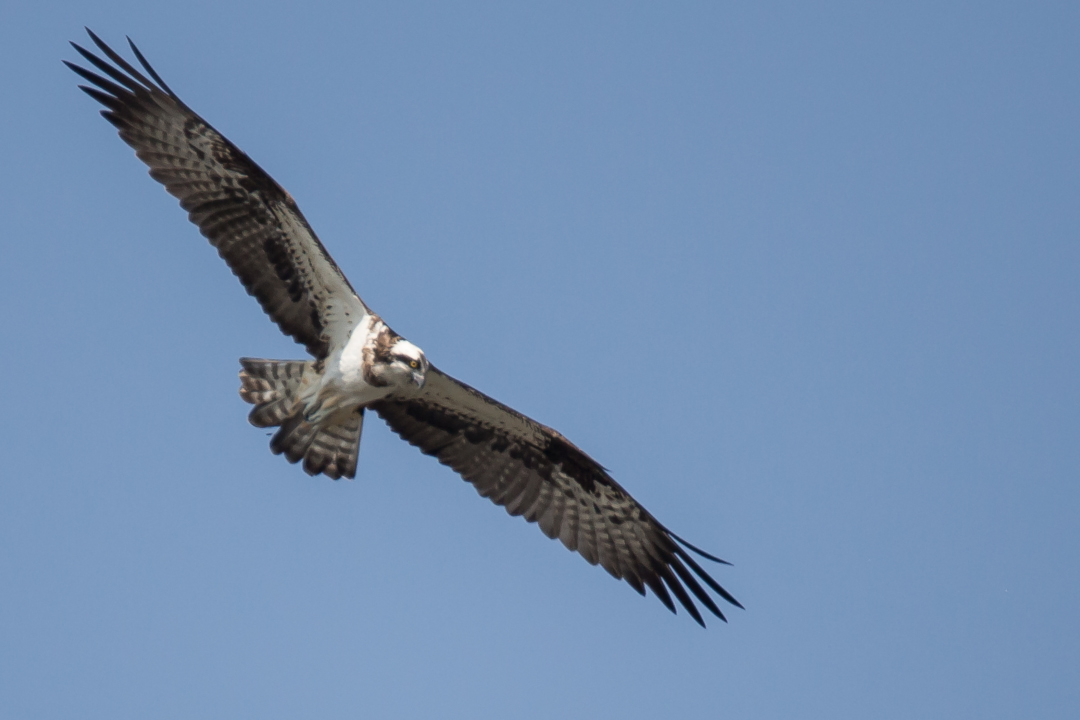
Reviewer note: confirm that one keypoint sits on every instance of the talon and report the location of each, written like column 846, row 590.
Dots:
column 311, row 414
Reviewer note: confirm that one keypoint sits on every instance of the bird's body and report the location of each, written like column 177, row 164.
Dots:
column 372, row 364
column 328, row 397
column 360, row 364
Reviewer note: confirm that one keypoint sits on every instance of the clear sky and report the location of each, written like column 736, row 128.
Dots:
column 804, row 276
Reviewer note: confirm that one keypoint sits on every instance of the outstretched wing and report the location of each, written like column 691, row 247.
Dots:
column 535, row 472
column 251, row 220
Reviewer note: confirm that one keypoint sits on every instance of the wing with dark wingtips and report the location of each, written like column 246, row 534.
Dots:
column 251, row 220
column 535, row 472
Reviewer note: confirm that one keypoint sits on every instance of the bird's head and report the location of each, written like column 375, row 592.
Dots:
column 406, row 364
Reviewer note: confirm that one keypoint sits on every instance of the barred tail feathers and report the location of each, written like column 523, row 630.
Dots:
column 330, row 447
column 271, row 385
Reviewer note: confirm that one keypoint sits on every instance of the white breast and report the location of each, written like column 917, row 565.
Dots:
column 348, row 367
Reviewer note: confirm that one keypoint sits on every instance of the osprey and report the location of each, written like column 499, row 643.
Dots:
column 360, row 363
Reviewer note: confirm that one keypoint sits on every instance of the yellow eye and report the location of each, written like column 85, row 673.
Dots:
column 413, row 364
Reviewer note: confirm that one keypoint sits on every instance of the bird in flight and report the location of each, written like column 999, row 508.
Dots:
column 360, row 364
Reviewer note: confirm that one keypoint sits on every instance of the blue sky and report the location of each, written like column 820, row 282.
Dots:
column 803, row 276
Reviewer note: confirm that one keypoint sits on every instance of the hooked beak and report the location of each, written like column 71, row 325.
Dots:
column 419, row 379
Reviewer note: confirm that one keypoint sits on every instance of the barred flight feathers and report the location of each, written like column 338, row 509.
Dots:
column 535, row 472
column 251, row 220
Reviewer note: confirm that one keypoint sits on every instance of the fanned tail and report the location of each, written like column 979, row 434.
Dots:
column 271, row 386
column 330, row 447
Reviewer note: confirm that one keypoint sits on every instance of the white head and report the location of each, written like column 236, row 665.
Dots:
column 391, row 361
column 404, row 363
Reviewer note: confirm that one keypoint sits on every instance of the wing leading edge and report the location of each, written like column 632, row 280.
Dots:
column 253, row 222
column 535, row 472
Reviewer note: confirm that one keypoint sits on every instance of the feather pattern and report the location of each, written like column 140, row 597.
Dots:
column 251, row 220
column 535, row 472
column 528, row 468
